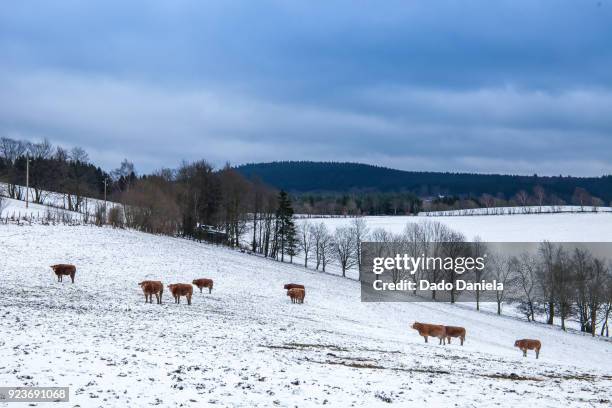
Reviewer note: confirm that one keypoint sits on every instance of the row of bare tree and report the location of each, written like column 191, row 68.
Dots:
column 556, row 280
column 47, row 168
column 316, row 243
column 194, row 200
column 564, row 283
column 539, row 197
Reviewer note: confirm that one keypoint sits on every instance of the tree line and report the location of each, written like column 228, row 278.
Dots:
column 221, row 206
column 556, row 281
column 195, row 200
column 68, row 172
column 353, row 204
column 565, row 284
column 304, row 177
column 537, row 197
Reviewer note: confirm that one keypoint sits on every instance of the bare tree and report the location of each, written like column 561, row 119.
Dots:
column 415, row 244
column 479, row 249
column 453, row 246
column 596, row 202
column 606, row 304
column 525, row 268
column 548, row 253
column 11, row 150
column 540, row 194
column 522, row 198
column 326, row 247
column 582, row 265
column 61, row 154
column 487, row 200
column 564, row 285
column 345, row 248
column 306, row 240
column 360, row 230
column 42, row 150
column 581, row 197
column 595, row 291
column 502, row 271
column 319, row 232
column 78, row 154
column 124, row 175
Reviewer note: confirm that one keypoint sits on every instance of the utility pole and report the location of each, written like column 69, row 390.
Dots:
column 105, row 193
column 27, row 181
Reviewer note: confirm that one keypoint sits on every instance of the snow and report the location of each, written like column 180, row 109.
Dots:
column 51, row 202
column 247, row 345
column 16, row 209
column 558, row 227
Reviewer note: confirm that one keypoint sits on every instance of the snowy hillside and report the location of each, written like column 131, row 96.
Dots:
column 246, row 344
column 16, row 209
column 52, row 201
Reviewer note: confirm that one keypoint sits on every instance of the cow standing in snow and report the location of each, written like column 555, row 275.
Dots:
column 150, row 288
column 181, row 289
column 203, row 283
column 529, row 344
column 296, row 295
column 64, row 269
column 433, row 330
column 455, row 331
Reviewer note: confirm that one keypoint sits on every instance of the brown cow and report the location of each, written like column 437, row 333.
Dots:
column 150, row 288
column 64, row 269
column 293, row 286
column 181, row 289
column 455, row 331
column 203, row 283
column 433, row 330
column 297, row 295
column 529, row 344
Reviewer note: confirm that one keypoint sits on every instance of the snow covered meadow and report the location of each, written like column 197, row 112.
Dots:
column 558, row 227
column 247, row 345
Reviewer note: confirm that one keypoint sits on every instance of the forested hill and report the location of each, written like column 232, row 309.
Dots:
column 309, row 177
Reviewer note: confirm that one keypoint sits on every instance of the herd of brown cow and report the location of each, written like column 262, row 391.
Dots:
column 296, row 293
column 445, row 333
column 150, row 288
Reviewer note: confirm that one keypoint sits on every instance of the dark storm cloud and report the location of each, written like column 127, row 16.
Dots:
column 514, row 86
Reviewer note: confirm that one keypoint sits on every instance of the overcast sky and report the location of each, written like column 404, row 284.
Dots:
column 485, row 86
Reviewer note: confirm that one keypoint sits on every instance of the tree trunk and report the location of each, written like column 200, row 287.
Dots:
column 551, row 313
column 562, row 322
column 604, row 326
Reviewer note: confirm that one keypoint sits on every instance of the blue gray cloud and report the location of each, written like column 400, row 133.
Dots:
column 508, row 86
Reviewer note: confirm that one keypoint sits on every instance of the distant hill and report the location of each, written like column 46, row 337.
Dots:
column 332, row 177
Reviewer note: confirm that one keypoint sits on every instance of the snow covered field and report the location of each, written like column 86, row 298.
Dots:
column 247, row 345
column 567, row 227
